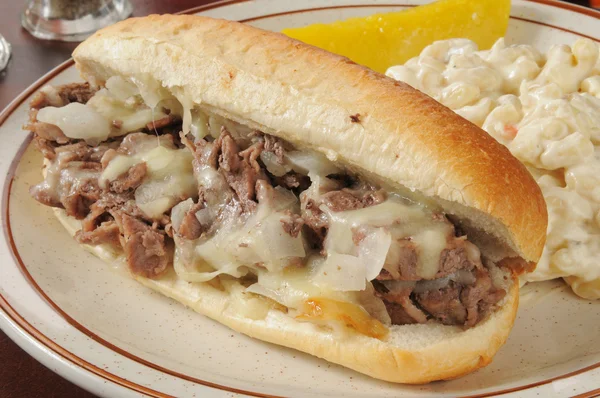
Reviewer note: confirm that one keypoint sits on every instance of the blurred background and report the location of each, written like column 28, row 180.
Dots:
column 25, row 26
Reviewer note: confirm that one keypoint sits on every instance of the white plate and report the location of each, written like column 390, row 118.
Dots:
column 113, row 337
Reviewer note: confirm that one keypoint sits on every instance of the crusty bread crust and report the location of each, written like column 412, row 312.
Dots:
column 316, row 99
column 412, row 354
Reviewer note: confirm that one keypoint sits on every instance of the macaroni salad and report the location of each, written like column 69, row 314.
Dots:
column 546, row 109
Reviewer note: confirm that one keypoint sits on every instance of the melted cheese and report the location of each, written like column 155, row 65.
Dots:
column 430, row 243
column 77, row 121
column 132, row 115
column 170, row 177
column 291, row 287
column 330, row 289
column 403, row 221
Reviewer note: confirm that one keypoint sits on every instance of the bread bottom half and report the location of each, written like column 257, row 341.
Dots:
column 412, row 354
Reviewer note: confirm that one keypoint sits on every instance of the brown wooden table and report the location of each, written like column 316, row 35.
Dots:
column 20, row 374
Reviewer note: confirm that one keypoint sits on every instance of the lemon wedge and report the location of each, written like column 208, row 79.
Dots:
column 382, row 40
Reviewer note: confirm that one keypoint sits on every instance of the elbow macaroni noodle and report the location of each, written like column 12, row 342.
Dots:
column 546, row 109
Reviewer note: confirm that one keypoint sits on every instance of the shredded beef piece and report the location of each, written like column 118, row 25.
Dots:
column 315, row 220
column 81, row 196
column 131, row 179
column 238, row 172
column 144, row 247
column 251, row 154
column 292, row 224
column 400, row 307
column 75, row 92
column 45, row 147
column 160, row 123
column 405, row 259
column 398, row 314
column 124, row 203
column 274, row 144
column 76, row 188
column 229, row 159
column 342, row 199
column 479, row 297
column 62, row 95
column 444, row 304
column 48, row 132
column 93, row 218
column 294, row 181
column 453, row 258
column 41, row 100
column 350, row 199
column 107, row 233
column 80, row 151
column 190, row 227
column 134, row 143
column 45, row 196
column 456, row 303
column 107, row 157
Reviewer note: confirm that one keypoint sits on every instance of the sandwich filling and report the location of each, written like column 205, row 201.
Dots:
column 185, row 190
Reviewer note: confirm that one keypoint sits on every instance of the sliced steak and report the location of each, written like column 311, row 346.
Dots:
column 479, row 297
column 293, row 181
column 75, row 92
column 251, row 154
column 47, row 148
column 144, row 247
column 352, row 199
column 460, row 299
column 80, row 151
column 125, row 203
column 160, row 123
column 405, row 263
column 48, row 132
column 454, row 258
column 292, row 224
column 80, row 197
column 131, row 179
column 401, row 308
column 135, row 143
column 107, row 233
column 315, row 220
column 62, row 95
column 238, row 172
column 337, row 200
column 240, row 169
column 274, row 145
column 73, row 187
column 190, row 227
column 444, row 304
column 405, row 257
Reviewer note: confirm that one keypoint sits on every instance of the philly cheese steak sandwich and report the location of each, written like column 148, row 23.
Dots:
column 291, row 195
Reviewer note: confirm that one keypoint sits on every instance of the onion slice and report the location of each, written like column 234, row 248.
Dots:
column 373, row 250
